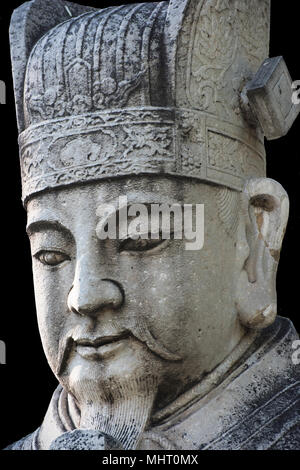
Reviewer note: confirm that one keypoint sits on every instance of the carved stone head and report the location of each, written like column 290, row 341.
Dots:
column 147, row 101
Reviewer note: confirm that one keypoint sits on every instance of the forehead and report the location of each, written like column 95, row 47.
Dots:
column 71, row 202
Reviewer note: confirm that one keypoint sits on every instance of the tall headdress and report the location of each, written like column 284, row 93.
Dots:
column 150, row 88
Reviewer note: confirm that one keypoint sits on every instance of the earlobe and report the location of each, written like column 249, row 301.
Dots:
column 264, row 223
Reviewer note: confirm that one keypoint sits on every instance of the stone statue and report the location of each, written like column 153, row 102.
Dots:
column 155, row 346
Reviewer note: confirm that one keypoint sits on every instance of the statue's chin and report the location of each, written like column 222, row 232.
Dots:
column 89, row 370
column 114, row 392
column 111, row 404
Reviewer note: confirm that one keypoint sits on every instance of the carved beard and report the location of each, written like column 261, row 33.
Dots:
column 115, row 397
column 121, row 409
column 119, row 405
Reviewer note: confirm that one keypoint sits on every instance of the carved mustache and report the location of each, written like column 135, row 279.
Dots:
column 140, row 332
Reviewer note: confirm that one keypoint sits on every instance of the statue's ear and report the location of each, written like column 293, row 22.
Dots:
column 28, row 24
column 262, row 228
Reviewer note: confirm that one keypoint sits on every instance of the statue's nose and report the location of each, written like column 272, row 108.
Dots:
column 90, row 293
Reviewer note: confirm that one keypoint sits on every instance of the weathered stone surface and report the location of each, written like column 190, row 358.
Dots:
column 154, row 345
column 28, row 24
column 270, row 96
column 80, row 439
column 154, row 109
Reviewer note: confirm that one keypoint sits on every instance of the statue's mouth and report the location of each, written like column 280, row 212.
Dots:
column 98, row 348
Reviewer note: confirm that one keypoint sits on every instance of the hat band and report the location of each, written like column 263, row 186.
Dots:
column 121, row 142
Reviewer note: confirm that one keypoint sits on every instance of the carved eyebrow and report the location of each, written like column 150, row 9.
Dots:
column 42, row 225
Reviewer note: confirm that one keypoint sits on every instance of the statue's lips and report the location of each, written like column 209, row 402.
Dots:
column 98, row 348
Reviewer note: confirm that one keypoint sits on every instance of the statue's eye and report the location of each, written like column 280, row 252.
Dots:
column 141, row 245
column 51, row 258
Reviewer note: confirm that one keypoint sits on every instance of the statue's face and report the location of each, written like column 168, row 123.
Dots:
column 109, row 308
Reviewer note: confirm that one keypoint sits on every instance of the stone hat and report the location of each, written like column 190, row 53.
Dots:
column 150, row 88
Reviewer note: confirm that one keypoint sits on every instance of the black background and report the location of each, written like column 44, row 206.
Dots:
column 26, row 381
